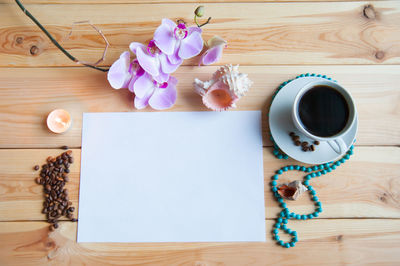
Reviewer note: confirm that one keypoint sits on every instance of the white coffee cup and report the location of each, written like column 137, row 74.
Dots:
column 336, row 141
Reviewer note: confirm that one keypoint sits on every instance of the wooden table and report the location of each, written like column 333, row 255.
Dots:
column 357, row 43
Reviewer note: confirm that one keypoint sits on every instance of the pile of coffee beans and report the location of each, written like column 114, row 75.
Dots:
column 303, row 144
column 53, row 176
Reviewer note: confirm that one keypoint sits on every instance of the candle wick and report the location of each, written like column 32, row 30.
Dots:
column 58, row 120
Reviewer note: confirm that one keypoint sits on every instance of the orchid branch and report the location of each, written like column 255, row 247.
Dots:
column 27, row 13
column 199, row 12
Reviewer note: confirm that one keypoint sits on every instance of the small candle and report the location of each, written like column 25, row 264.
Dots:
column 59, row 121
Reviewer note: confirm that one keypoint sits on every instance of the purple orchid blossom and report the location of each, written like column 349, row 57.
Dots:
column 159, row 96
column 177, row 41
column 153, row 61
column 214, row 53
column 123, row 73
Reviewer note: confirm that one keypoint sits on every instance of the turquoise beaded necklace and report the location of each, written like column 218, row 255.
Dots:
column 312, row 172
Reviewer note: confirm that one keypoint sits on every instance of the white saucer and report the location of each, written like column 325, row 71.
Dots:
column 281, row 124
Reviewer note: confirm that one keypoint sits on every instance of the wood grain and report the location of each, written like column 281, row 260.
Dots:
column 313, row 33
column 367, row 186
column 28, row 95
column 348, row 242
column 163, row 1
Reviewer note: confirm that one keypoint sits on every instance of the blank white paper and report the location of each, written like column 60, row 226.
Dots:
column 171, row 177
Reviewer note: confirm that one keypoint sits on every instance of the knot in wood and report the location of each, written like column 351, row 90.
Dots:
column 34, row 50
column 379, row 55
column 369, row 12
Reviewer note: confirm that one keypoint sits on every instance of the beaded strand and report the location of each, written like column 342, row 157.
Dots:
column 312, row 172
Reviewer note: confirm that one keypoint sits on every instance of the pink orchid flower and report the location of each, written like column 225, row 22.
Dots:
column 214, row 53
column 177, row 41
column 123, row 73
column 153, row 61
column 159, row 96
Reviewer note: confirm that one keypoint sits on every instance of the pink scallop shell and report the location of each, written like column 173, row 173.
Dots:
column 219, row 98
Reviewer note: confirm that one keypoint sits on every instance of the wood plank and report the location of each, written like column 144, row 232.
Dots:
column 367, row 186
column 28, row 95
column 258, row 33
column 162, row 1
column 355, row 242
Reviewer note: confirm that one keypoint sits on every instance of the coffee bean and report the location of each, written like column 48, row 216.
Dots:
column 316, row 142
column 55, row 225
column 304, row 148
column 70, row 215
column 54, row 213
column 74, row 220
column 44, row 210
column 296, row 138
column 36, row 167
column 304, row 143
column 64, row 156
column 66, row 179
column 66, row 170
column 49, row 159
column 37, row 180
column 69, row 203
column 71, row 209
column 292, row 134
column 297, row 143
column 52, row 228
column 65, row 147
column 69, row 152
column 71, row 160
column 312, row 148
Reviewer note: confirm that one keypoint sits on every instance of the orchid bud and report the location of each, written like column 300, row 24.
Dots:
column 199, row 12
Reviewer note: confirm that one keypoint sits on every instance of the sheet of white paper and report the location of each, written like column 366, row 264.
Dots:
column 171, row 177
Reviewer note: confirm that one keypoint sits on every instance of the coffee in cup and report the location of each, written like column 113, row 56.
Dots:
column 324, row 111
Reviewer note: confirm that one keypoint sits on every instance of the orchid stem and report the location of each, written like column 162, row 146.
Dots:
column 205, row 23
column 26, row 12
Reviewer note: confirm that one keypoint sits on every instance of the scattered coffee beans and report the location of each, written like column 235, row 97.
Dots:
column 304, row 145
column 53, row 177
column 36, row 167
column 65, row 147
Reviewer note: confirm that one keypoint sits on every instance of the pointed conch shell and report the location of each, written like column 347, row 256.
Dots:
column 224, row 89
column 292, row 190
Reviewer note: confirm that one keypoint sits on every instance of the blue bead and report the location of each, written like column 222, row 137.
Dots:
column 315, row 198
column 305, row 183
column 285, row 221
column 279, row 172
column 313, row 175
column 275, row 177
column 308, row 170
column 315, row 214
column 273, row 183
column 312, row 192
column 337, row 163
column 292, row 214
column 279, row 156
column 275, row 152
column 276, row 237
column 309, row 216
column 291, row 167
column 319, row 209
column 313, row 75
column 297, row 167
column 302, row 75
column 283, row 226
column 280, row 200
column 285, row 157
column 318, row 173
column 342, row 160
column 284, row 169
column 275, row 231
column 283, row 205
column 274, row 189
column 295, row 239
column 292, row 244
column 298, row 217
column 333, row 167
column 310, row 188
column 280, row 242
column 324, row 76
column 323, row 172
column 289, row 231
column 321, row 166
column 303, row 217
column 287, row 245
column 318, row 203
column 279, row 220
column 307, row 177
column 303, row 169
column 328, row 169
column 315, row 168
column 277, row 226
column 350, row 152
column 307, row 74
column 294, row 233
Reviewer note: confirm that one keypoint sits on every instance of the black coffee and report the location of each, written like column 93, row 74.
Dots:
column 323, row 111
